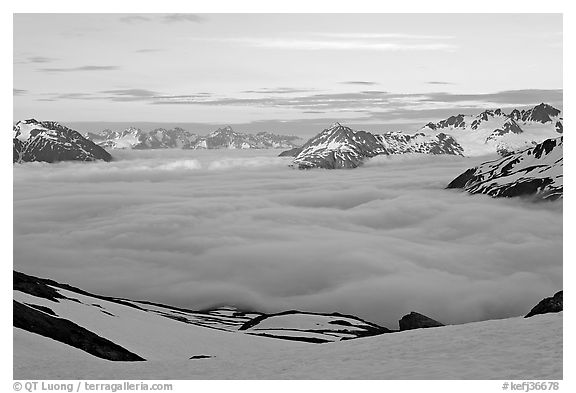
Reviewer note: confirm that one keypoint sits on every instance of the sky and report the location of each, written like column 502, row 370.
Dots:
column 202, row 228
column 292, row 72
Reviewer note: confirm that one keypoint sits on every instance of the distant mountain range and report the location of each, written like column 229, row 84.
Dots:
column 496, row 131
column 160, row 138
column 492, row 131
column 536, row 172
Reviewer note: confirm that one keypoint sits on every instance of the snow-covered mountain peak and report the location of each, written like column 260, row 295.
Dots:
column 50, row 141
column 342, row 147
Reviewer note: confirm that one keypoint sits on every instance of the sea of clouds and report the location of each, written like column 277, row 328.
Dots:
column 204, row 228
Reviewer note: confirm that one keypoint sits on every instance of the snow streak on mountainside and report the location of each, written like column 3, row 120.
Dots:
column 495, row 131
column 51, row 142
column 342, row 147
column 536, row 171
column 160, row 138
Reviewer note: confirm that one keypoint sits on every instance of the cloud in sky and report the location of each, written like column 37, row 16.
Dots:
column 82, row 68
column 19, row 92
column 366, row 83
column 348, row 41
column 40, row 59
column 241, row 227
column 165, row 18
column 338, row 44
column 148, row 50
column 278, row 90
column 171, row 18
column 368, row 105
column 135, row 18
column 132, row 92
column 403, row 36
column 439, row 83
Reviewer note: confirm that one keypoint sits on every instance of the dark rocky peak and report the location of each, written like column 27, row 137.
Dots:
column 542, row 113
column 515, row 115
column 416, row 320
column 453, row 121
column 548, row 305
column 488, row 113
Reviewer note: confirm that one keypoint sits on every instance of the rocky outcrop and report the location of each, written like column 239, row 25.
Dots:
column 416, row 320
column 548, row 305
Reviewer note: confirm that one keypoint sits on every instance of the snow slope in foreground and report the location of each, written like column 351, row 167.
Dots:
column 514, row 348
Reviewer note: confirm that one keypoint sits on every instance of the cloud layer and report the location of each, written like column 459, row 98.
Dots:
column 201, row 228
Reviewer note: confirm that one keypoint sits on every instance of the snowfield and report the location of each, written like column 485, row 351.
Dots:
column 509, row 349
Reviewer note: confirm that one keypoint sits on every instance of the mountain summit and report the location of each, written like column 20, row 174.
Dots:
column 341, row 147
column 49, row 141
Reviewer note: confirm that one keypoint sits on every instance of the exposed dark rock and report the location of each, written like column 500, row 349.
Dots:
column 415, row 320
column 462, row 179
column 200, row 357
column 34, row 286
column 547, row 305
column 42, row 287
column 67, row 332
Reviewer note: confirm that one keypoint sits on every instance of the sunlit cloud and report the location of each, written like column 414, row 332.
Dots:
column 335, row 44
column 82, row 68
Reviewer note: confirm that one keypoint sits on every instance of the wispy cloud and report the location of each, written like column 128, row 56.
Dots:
column 19, row 92
column 148, row 50
column 165, row 18
column 40, row 59
column 82, row 68
column 402, row 36
column 170, row 18
column 278, row 90
column 132, row 92
column 367, row 83
column 339, row 44
column 369, row 105
column 135, row 18
column 439, row 83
